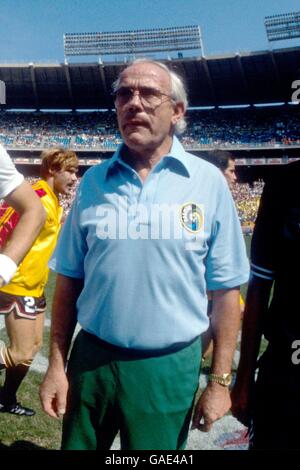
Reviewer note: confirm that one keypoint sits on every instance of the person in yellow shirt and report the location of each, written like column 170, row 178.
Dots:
column 16, row 192
column 22, row 300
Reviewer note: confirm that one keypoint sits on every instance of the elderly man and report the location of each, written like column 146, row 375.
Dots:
column 150, row 230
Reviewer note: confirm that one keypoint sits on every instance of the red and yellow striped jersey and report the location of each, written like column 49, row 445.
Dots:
column 32, row 274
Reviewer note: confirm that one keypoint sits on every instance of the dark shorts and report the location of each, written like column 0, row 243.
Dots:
column 24, row 307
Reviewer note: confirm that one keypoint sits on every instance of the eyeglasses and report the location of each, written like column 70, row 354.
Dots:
column 150, row 98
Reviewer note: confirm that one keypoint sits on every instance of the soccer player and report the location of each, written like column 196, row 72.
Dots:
column 22, row 299
column 225, row 162
column 19, row 195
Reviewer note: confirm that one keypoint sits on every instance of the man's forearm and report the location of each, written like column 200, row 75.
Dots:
column 64, row 318
column 32, row 217
column 256, row 304
column 54, row 388
column 225, row 322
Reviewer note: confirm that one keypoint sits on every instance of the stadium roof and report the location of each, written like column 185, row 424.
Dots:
column 243, row 78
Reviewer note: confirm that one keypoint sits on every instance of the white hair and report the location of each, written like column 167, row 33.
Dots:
column 178, row 90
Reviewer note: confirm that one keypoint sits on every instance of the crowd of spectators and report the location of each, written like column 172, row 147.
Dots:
column 247, row 199
column 44, row 130
column 246, row 127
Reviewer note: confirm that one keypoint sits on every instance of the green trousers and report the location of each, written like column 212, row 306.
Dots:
column 149, row 400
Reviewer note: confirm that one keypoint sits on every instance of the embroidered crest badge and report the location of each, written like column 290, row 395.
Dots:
column 191, row 217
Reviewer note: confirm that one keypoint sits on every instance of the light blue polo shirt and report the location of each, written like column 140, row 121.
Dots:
column 149, row 251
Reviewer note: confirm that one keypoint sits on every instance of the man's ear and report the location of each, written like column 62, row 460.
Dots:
column 178, row 112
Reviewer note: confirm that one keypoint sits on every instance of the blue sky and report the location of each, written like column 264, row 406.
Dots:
column 32, row 30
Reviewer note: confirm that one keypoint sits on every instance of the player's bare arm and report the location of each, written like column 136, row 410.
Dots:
column 32, row 217
column 53, row 391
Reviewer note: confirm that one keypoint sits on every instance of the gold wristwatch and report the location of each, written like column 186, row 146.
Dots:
column 224, row 379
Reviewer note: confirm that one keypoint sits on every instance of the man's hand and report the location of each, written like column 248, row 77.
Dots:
column 53, row 392
column 213, row 404
column 241, row 402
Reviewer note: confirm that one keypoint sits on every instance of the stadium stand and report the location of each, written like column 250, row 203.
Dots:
column 228, row 79
column 235, row 128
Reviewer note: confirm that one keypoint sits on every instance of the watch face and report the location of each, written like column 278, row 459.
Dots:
column 227, row 380
column 224, row 379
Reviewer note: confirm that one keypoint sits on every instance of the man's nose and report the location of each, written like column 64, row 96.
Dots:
column 135, row 99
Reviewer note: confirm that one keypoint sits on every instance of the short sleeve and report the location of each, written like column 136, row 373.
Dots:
column 10, row 178
column 265, row 235
column 227, row 264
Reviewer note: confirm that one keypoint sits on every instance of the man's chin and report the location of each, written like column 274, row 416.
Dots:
column 66, row 191
column 135, row 138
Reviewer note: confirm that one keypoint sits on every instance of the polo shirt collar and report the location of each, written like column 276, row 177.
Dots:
column 116, row 160
column 177, row 155
column 177, row 159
